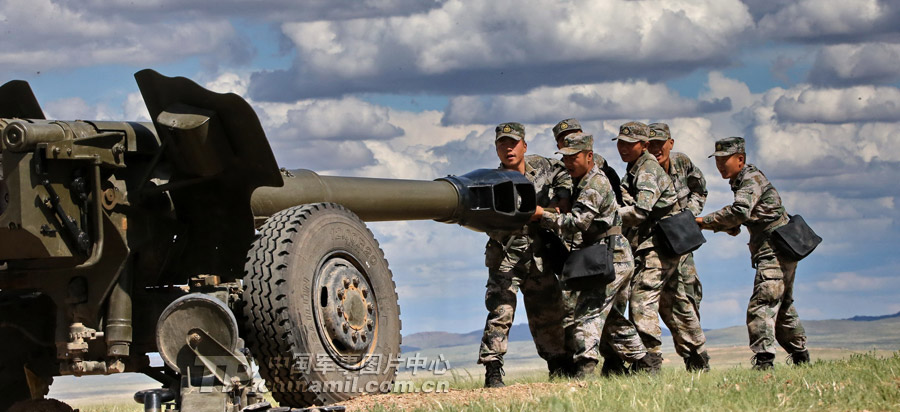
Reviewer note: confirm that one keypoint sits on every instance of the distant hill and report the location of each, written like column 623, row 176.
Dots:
column 858, row 332
column 423, row 340
column 881, row 333
column 871, row 318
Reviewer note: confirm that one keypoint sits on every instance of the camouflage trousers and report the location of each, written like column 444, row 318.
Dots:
column 544, row 308
column 620, row 338
column 658, row 291
column 596, row 314
column 771, row 315
column 692, row 287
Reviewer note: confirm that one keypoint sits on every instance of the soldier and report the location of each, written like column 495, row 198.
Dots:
column 648, row 196
column 680, row 301
column 514, row 262
column 771, row 315
column 592, row 220
column 567, row 126
column 620, row 342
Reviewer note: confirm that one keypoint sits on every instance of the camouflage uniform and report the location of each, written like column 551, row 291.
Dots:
column 691, row 188
column 593, row 215
column 514, row 263
column 680, row 304
column 614, row 342
column 771, row 315
column 649, row 195
column 571, row 125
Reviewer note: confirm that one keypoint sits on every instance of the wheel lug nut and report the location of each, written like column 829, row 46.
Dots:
column 355, row 281
column 340, row 294
column 346, row 282
column 355, row 337
column 370, row 324
column 364, row 338
column 340, row 311
column 346, row 327
column 365, row 292
column 371, row 308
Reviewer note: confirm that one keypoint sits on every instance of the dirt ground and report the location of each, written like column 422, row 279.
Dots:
column 436, row 401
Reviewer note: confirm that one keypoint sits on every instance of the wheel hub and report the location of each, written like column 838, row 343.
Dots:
column 347, row 311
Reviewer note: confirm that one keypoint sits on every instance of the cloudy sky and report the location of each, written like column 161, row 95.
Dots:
column 413, row 89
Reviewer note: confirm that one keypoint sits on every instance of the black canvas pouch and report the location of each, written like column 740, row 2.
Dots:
column 553, row 250
column 680, row 234
column 795, row 240
column 591, row 267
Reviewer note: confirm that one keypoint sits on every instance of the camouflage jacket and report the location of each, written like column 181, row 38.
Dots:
column 558, row 182
column 757, row 205
column 600, row 161
column 594, row 212
column 551, row 182
column 648, row 195
column 689, row 183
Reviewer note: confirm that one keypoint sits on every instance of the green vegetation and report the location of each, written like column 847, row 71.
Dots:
column 867, row 381
column 862, row 382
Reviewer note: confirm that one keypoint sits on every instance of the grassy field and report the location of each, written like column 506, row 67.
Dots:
column 833, row 342
column 837, row 380
column 860, row 382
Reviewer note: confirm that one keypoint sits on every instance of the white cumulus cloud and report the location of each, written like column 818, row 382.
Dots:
column 852, row 282
column 805, row 104
column 469, row 45
column 843, row 64
column 617, row 100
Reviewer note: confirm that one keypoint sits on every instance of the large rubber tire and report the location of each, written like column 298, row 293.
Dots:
column 26, row 327
column 293, row 328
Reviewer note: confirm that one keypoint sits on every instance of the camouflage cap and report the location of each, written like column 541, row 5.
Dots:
column 659, row 131
column 512, row 129
column 633, row 132
column 576, row 142
column 566, row 125
column 729, row 146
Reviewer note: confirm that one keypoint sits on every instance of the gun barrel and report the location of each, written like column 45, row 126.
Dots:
column 482, row 200
column 20, row 136
column 371, row 199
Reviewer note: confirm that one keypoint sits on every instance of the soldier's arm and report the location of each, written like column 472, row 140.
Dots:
column 697, row 185
column 578, row 220
column 632, row 216
column 733, row 215
column 639, row 207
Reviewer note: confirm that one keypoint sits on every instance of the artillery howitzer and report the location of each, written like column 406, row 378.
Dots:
column 183, row 237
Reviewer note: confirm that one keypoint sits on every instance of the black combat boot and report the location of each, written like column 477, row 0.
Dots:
column 493, row 374
column 762, row 361
column 800, row 358
column 697, row 362
column 585, row 368
column 613, row 365
column 650, row 363
column 561, row 367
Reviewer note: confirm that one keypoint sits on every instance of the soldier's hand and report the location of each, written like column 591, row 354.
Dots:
column 538, row 212
column 734, row 231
